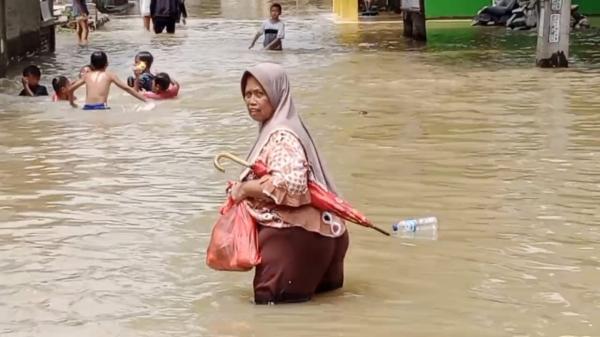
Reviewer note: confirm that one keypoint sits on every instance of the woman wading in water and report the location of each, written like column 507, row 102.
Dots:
column 301, row 255
column 81, row 13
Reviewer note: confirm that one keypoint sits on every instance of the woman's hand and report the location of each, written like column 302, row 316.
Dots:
column 248, row 189
column 237, row 192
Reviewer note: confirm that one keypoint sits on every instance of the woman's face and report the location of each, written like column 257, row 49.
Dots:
column 257, row 101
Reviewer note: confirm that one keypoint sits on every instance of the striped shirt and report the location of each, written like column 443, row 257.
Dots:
column 272, row 30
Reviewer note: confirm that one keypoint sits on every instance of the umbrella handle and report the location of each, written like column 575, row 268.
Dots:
column 235, row 159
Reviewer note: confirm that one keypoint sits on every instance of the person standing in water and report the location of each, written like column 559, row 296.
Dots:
column 80, row 12
column 166, row 13
column 145, row 11
column 302, row 255
column 273, row 29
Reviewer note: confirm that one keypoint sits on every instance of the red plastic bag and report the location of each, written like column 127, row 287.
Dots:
column 234, row 240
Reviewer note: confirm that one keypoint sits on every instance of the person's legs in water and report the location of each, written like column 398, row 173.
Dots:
column 334, row 276
column 79, row 32
column 170, row 26
column 147, row 23
column 86, row 29
column 145, row 12
column 159, row 24
column 293, row 263
column 82, row 30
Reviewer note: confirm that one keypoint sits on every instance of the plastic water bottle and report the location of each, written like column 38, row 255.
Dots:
column 422, row 228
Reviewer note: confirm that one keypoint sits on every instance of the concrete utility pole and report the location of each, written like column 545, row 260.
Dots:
column 553, row 34
column 413, row 17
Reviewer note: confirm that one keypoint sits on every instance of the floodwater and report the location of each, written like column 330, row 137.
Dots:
column 105, row 216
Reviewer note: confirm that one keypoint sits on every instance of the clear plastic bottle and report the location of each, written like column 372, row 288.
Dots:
column 421, row 228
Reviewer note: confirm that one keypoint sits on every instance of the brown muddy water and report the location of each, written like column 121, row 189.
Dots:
column 105, row 216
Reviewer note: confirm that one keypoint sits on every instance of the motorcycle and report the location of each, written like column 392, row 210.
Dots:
column 521, row 15
column 525, row 17
column 496, row 15
column 578, row 20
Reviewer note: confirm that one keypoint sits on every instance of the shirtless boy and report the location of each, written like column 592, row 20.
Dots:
column 97, row 84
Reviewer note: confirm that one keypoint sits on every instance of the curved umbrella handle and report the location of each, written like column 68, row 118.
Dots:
column 236, row 159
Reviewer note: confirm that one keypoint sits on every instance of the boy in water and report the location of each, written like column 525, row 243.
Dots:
column 31, row 82
column 143, row 75
column 273, row 29
column 97, row 84
column 163, row 87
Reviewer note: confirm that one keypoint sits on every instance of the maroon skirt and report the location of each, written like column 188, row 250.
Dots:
column 296, row 264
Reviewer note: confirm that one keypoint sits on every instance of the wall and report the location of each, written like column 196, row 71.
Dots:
column 22, row 33
column 589, row 7
column 3, row 54
column 453, row 8
column 22, row 24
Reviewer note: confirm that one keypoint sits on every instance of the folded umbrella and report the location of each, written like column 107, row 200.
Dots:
column 320, row 198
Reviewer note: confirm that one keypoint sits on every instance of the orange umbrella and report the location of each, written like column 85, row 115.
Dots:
column 320, row 197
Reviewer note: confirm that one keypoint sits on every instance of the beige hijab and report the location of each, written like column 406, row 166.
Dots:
column 274, row 81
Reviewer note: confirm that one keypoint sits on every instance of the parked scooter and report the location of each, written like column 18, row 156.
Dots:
column 525, row 17
column 578, row 20
column 496, row 15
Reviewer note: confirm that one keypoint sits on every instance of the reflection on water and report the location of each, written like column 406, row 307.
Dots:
column 104, row 217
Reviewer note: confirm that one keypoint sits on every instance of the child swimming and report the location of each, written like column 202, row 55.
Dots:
column 61, row 89
column 142, row 71
column 98, row 82
column 163, row 87
column 31, row 82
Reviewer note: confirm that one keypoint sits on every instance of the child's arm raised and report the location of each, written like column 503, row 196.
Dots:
column 126, row 88
column 72, row 89
column 26, row 87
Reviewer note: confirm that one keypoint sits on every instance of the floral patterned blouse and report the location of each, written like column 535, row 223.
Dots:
column 286, row 185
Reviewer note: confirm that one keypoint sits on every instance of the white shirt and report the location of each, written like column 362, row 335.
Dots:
column 272, row 30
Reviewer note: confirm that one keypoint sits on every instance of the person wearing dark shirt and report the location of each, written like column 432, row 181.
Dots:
column 143, row 77
column 31, row 82
column 166, row 13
